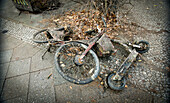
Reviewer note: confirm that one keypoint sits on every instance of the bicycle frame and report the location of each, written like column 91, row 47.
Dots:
column 95, row 39
column 91, row 44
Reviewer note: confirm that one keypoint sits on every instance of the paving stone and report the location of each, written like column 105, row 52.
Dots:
column 106, row 100
column 3, row 72
column 15, row 87
column 22, row 99
column 68, row 93
column 132, row 95
column 5, row 56
column 18, row 30
column 37, row 62
column 19, row 67
column 9, row 10
column 23, row 51
column 42, row 96
column 41, row 88
column 9, row 43
column 3, row 37
column 58, row 79
column 91, row 92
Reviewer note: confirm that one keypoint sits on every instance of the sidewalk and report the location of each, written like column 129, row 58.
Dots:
column 24, row 75
column 25, row 79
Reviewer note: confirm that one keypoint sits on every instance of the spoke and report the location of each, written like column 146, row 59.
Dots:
column 85, row 70
column 78, row 72
column 65, row 50
column 65, row 57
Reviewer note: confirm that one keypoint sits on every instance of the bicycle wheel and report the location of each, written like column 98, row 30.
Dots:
column 116, row 84
column 65, row 58
column 41, row 36
column 144, row 46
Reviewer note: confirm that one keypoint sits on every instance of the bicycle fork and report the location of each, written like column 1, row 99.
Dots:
column 79, row 58
column 119, row 75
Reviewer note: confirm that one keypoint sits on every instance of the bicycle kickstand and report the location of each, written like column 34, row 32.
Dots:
column 47, row 50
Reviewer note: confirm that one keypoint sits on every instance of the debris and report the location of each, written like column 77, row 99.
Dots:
column 111, row 69
column 4, row 31
column 106, row 75
column 80, row 23
column 139, row 60
column 117, row 62
column 70, row 54
column 99, row 78
column 126, row 86
column 129, row 76
column 71, row 87
column 100, row 86
column 62, row 65
column 102, row 83
column 93, row 101
column 49, row 76
column 167, row 68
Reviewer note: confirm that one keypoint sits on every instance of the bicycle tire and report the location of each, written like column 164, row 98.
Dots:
column 38, row 40
column 78, row 74
column 141, row 51
column 114, row 84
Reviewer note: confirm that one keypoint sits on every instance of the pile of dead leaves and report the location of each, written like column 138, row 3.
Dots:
column 87, row 20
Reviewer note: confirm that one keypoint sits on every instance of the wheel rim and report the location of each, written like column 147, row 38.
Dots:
column 144, row 46
column 66, row 66
column 116, row 84
column 41, row 36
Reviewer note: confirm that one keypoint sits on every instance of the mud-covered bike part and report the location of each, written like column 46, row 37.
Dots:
column 71, row 71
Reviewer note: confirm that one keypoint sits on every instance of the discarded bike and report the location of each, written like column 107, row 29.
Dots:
column 77, row 61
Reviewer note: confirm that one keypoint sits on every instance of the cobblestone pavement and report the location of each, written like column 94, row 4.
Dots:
column 24, row 75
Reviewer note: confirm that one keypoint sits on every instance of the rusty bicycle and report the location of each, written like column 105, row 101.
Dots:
column 78, row 61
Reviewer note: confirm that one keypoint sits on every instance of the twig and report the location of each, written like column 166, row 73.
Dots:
column 106, row 10
column 77, row 2
column 49, row 76
column 94, row 3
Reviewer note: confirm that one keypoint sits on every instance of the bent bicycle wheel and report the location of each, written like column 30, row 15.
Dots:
column 41, row 36
column 65, row 62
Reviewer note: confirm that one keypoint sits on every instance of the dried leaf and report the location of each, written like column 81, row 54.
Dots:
column 139, row 60
column 99, row 78
column 129, row 76
column 167, row 68
column 93, row 101
column 69, row 54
